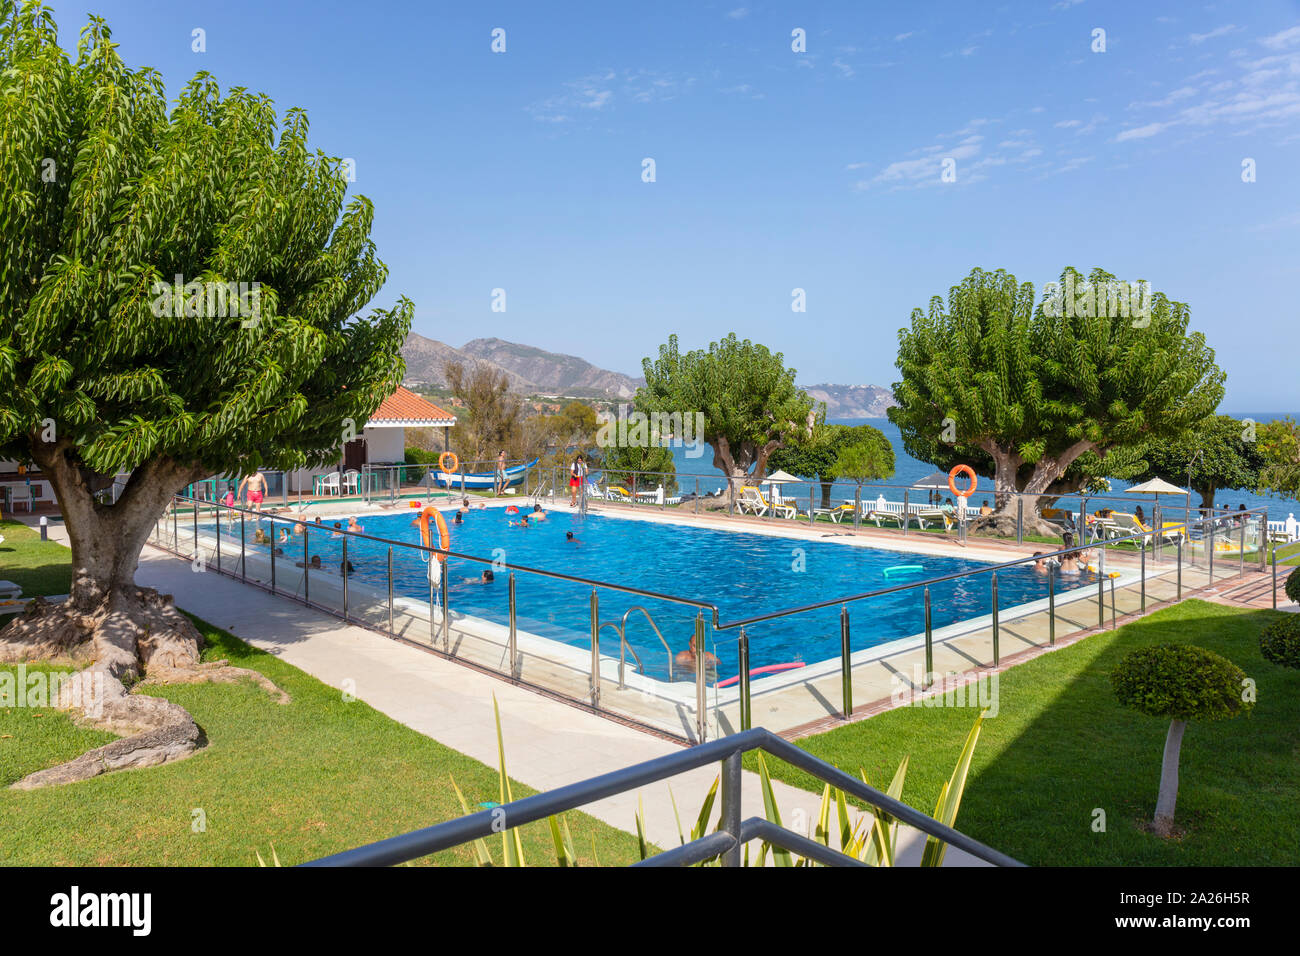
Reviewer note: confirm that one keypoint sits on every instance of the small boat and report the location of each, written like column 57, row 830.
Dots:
column 481, row 479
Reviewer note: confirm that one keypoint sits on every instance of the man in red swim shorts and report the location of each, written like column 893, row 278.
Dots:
column 256, row 489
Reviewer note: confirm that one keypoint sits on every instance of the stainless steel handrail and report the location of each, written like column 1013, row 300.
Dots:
column 623, row 645
column 725, row 844
column 622, row 633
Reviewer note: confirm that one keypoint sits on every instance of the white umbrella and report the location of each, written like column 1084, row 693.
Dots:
column 1157, row 487
column 777, row 477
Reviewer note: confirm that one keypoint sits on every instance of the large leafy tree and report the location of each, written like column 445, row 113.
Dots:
column 1020, row 393
column 1279, row 444
column 1222, row 454
column 750, row 404
column 105, row 196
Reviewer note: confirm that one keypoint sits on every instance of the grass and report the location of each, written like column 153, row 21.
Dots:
column 313, row 777
column 38, row 567
column 1061, row 748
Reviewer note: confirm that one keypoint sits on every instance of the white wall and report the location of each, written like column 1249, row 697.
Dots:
column 385, row 444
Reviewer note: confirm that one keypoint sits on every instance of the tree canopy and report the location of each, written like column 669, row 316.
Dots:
column 1229, row 458
column 182, row 289
column 1279, row 444
column 1020, row 392
column 746, row 393
column 106, row 197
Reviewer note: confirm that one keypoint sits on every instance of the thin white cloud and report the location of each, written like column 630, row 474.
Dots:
column 1196, row 39
column 846, row 71
column 1142, row 132
column 739, row 13
column 1280, row 41
column 899, row 38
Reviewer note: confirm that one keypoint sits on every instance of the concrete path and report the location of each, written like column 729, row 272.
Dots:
column 548, row 743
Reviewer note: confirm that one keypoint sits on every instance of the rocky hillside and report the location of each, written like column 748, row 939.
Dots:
column 531, row 371
column 534, row 371
column 553, row 373
column 852, row 401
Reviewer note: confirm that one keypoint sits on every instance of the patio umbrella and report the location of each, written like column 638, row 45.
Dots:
column 935, row 480
column 1157, row 487
column 777, row 477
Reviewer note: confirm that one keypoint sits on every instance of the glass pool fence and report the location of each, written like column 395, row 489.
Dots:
column 715, row 676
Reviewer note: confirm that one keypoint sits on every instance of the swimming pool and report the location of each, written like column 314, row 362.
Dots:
column 745, row 574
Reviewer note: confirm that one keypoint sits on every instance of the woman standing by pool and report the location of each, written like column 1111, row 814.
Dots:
column 577, row 477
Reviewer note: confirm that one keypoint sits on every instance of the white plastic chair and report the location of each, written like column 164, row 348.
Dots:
column 352, row 481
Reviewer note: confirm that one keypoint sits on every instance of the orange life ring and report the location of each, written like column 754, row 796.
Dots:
column 444, row 534
column 952, row 477
column 442, row 461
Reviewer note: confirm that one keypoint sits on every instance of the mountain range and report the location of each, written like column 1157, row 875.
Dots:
column 534, row 371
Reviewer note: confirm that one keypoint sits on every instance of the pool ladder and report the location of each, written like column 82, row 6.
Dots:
column 624, row 648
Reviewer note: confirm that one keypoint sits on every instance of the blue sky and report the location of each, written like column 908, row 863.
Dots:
column 778, row 170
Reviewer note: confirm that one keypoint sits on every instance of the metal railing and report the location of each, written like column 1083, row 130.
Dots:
column 1130, row 546
column 189, row 547
column 724, row 844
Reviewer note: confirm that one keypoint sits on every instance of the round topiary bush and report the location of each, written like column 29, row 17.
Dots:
column 1179, row 682
column 1280, row 641
column 1292, row 586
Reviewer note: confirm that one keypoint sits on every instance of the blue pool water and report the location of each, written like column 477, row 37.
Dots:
column 744, row 574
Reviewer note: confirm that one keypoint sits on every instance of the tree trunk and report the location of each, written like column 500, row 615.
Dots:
column 1022, row 510
column 1164, row 820
column 121, row 632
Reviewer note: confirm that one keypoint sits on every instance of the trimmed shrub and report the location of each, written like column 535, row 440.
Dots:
column 1292, row 587
column 1280, row 641
column 1179, row 682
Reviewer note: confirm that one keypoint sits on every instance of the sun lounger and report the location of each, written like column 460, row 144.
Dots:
column 835, row 514
column 932, row 516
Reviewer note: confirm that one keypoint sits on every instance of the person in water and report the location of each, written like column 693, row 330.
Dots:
column 521, row 523
column 353, row 526
column 314, row 564
column 538, row 513
column 686, row 659
column 457, row 519
column 570, row 536
column 1040, row 566
column 346, row 567
column 338, row 530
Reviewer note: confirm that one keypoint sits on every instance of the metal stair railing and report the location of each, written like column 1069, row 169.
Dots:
column 725, row 843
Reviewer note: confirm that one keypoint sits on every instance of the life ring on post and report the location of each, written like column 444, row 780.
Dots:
column 952, row 480
column 444, row 533
column 442, row 462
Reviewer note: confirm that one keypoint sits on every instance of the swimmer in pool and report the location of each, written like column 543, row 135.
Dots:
column 686, row 659
column 570, row 536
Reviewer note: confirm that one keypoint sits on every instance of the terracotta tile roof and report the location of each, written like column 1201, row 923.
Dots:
column 404, row 407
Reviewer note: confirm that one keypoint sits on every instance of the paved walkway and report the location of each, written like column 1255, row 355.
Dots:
column 548, row 743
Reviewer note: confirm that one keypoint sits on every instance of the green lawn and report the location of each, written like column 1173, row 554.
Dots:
column 314, row 777
column 1061, row 747
column 38, row 567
